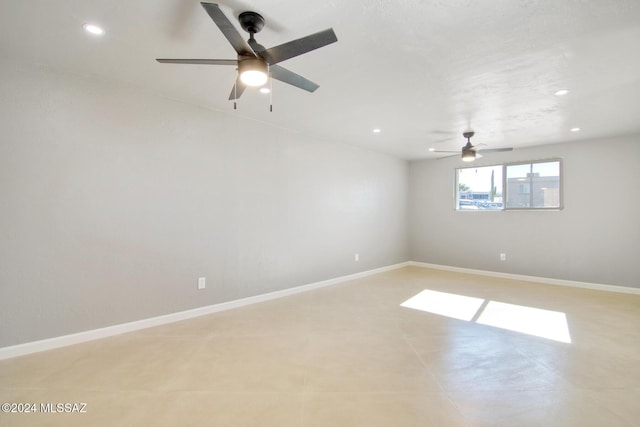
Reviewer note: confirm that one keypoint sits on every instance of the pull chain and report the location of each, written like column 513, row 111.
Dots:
column 235, row 92
column 271, row 95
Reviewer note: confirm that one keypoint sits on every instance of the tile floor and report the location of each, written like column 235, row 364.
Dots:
column 351, row 355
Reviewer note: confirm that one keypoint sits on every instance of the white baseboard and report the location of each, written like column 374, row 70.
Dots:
column 545, row 280
column 80, row 337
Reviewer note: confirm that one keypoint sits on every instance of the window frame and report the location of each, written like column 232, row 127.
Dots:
column 505, row 190
column 532, row 208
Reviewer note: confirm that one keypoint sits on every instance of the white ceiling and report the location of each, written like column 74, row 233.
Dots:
column 422, row 71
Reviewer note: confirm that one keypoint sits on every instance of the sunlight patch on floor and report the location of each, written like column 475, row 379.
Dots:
column 518, row 318
column 445, row 304
column 527, row 320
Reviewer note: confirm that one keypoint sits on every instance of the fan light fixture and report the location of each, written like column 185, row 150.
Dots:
column 468, row 156
column 253, row 71
column 468, row 151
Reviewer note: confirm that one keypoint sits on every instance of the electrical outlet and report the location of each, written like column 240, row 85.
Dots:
column 202, row 282
column 503, row 256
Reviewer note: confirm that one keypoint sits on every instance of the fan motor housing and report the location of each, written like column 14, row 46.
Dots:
column 251, row 22
column 251, row 63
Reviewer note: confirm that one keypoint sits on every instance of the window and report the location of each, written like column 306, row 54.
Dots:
column 530, row 185
column 533, row 185
column 524, row 188
column 479, row 188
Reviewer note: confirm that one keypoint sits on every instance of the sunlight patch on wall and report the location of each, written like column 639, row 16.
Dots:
column 518, row 318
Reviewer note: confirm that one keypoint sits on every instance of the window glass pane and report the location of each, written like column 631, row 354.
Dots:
column 533, row 185
column 479, row 188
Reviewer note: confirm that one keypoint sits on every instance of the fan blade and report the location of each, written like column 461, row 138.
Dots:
column 199, row 61
column 286, row 76
column 227, row 28
column 237, row 89
column 495, row 150
column 299, row 46
column 446, row 157
column 445, row 151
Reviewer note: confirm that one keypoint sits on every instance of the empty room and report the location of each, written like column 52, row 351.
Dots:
column 281, row 213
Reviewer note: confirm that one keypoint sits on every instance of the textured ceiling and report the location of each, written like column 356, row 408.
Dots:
column 421, row 71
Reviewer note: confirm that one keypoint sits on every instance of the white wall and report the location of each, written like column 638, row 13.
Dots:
column 595, row 238
column 115, row 201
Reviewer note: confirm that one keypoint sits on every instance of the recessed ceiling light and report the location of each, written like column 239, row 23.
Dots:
column 432, row 149
column 575, row 129
column 265, row 90
column 93, row 29
column 561, row 92
column 377, row 130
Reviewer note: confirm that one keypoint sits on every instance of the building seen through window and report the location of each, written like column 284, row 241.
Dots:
column 533, row 185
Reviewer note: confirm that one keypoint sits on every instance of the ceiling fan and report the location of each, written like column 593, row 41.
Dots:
column 470, row 152
column 254, row 62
